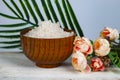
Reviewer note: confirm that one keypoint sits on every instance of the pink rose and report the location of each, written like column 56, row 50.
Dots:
column 101, row 47
column 109, row 33
column 83, row 45
column 97, row 64
column 79, row 62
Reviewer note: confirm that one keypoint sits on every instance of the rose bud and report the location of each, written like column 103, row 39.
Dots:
column 97, row 64
column 109, row 33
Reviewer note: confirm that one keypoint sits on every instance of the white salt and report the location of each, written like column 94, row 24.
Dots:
column 47, row 29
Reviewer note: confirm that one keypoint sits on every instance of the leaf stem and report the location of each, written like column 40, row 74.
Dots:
column 29, row 22
column 115, row 42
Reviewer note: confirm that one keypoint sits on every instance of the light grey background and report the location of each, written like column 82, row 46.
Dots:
column 93, row 15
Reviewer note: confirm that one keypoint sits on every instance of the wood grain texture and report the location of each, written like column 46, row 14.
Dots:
column 47, row 53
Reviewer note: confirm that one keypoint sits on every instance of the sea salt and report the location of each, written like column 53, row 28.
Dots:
column 47, row 29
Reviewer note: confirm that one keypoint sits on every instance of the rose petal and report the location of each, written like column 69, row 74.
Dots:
column 87, row 69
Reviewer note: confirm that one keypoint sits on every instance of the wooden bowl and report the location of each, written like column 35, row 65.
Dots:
column 47, row 53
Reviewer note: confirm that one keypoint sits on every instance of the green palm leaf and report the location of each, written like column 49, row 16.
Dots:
column 11, row 8
column 13, row 25
column 8, row 16
column 67, row 15
column 17, row 9
column 24, row 9
column 61, row 13
column 10, row 42
column 46, row 10
column 11, row 46
column 14, row 30
column 74, row 19
column 31, row 9
column 52, row 11
column 37, row 10
column 10, row 36
column 11, row 31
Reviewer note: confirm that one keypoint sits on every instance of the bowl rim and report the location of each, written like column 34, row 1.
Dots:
column 24, row 31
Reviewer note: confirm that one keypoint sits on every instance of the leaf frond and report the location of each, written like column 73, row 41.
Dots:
column 67, row 15
column 11, row 46
column 10, row 36
column 74, row 19
column 11, row 31
column 46, row 10
column 27, row 3
column 61, row 13
column 52, row 10
column 17, row 9
column 13, row 25
column 24, row 9
column 11, row 9
column 37, row 10
column 8, row 16
column 10, row 42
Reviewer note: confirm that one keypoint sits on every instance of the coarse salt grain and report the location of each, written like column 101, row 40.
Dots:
column 47, row 29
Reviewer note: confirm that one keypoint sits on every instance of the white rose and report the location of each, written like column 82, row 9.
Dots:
column 101, row 47
column 79, row 61
column 110, row 33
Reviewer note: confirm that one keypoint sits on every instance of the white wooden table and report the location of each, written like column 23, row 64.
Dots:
column 15, row 66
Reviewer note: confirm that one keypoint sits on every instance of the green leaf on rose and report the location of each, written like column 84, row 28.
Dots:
column 114, row 58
